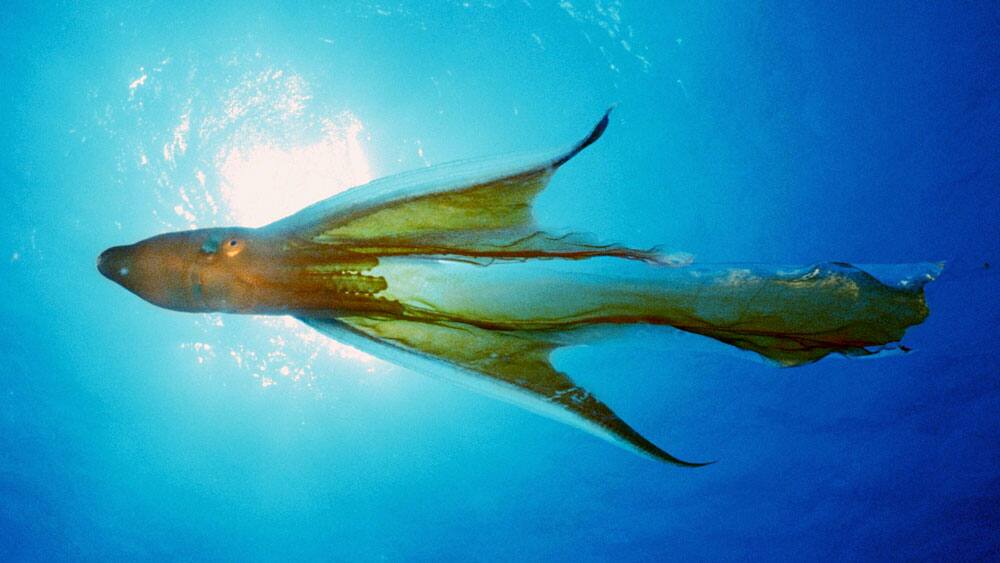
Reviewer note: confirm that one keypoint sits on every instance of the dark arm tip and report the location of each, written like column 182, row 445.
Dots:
column 595, row 134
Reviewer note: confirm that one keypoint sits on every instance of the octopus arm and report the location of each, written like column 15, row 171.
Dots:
column 509, row 365
column 476, row 209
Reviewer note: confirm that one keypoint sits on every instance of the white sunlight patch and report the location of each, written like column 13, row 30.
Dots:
column 265, row 182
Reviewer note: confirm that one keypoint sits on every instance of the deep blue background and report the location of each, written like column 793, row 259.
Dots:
column 778, row 132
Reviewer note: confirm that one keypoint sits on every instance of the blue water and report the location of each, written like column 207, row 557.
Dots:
column 777, row 133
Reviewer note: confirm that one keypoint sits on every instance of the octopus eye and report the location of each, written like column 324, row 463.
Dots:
column 233, row 247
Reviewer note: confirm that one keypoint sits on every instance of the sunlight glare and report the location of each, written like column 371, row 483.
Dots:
column 265, row 182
